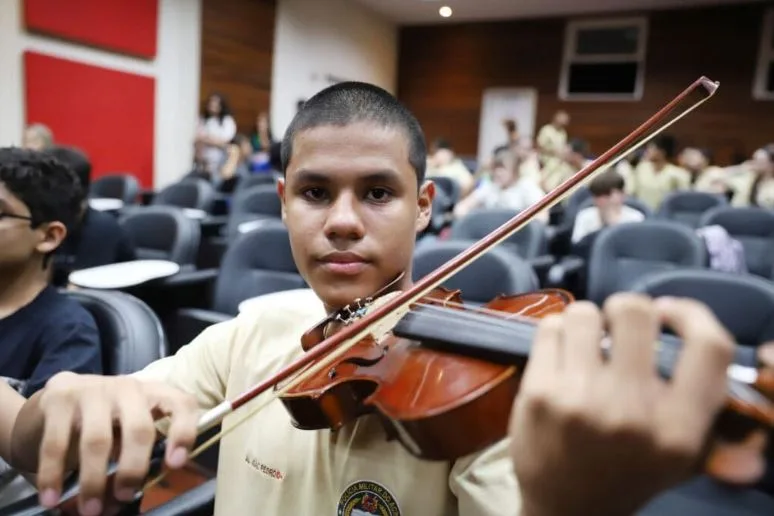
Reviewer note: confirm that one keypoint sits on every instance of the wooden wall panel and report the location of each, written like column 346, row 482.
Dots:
column 237, row 51
column 444, row 69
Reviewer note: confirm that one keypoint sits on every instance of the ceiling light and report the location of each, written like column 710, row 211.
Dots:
column 445, row 11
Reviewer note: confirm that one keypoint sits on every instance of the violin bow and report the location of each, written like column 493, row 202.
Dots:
column 330, row 348
column 396, row 306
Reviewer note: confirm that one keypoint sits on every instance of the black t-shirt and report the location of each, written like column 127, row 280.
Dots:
column 99, row 240
column 51, row 334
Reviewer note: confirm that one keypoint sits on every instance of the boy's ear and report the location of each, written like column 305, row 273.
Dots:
column 281, row 193
column 425, row 205
column 52, row 235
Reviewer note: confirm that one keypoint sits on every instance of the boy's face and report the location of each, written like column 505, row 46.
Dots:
column 612, row 200
column 351, row 206
column 18, row 240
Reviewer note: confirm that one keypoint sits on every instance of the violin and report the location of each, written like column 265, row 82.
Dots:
column 424, row 362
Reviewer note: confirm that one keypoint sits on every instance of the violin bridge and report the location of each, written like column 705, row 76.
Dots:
column 353, row 311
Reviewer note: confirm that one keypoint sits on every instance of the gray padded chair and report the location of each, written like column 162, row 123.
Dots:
column 495, row 272
column 688, row 207
column 130, row 332
column 529, row 243
column 623, row 254
column 753, row 228
column 743, row 304
column 254, row 203
column 162, row 233
column 124, row 187
column 192, row 193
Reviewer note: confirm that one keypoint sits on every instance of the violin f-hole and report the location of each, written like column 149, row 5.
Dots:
column 357, row 361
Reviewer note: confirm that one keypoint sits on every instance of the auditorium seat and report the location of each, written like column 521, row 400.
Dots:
column 753, row 228
column 705, row 497
column 130, row 332
column 449, row 186
column 123, row 187
column 495, row 272
column 162, row 233
column 254, row 203
column 256, row 263
column 687, row 207
column 529, row 243
column 191, row 193
column 743, row 304
column 620, row 255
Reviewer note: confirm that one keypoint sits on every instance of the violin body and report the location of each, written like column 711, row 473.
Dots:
column 425, row 398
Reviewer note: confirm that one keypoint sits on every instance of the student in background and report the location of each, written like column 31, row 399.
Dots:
column 96, row 238
column 443, row 162
column 551, row 142
column 507, row 188
column 37, row 137
column 607, row 191
column 217, row 128
column 655, row 176
column 755, row 186
column 704, row 176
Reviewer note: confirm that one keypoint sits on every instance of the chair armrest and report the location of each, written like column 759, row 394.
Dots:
column 199, row 501
column 188, row 323
column 541, row 265
column 561, row 273
column 187, row 278
column 213, row 225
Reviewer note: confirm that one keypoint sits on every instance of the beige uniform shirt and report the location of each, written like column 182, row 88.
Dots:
column 268, row 467
column 651, row 186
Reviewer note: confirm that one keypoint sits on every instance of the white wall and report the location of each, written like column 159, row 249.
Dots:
column 317, row 38
column 176, row 69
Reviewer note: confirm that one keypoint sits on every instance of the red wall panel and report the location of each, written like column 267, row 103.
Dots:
column 127, row 26
column 108, row 114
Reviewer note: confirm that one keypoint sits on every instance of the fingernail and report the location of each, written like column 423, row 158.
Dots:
column 49, row 498
column 125, row 494
column 92, row 507
column 177, row 457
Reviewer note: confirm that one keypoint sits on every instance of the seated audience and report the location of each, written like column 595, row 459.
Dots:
column 607, row 191
column 574, row 158
column 655, row 176
column 37, row 137
column 261, row 139
column 755, row 186
column 704, row 176
column 551, row 142
column 506, row 189
column 96, row 238
column 443, row 162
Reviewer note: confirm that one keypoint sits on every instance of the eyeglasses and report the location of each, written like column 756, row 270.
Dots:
column 14, row 216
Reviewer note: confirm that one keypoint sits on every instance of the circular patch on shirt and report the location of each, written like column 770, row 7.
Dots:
column 366, row 498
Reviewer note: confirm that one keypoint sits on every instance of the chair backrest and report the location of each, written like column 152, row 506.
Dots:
column 256, row 202
column 124, row 187
column 530, row 241
column 687, row 207
column 753, row 228
column 262, row 179
column 624, row 253
column 162, row 233
column 131, row 334
column 496, row 272
column 193, row 193
column 449, row 186
column 743, row 304
column 256, row 263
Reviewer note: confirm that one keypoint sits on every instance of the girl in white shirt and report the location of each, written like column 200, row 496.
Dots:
column 217, row 128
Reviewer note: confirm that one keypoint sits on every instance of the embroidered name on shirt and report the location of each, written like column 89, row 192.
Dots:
column 365, row 498
column 263, row 468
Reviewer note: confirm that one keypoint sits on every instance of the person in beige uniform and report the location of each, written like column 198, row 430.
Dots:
column 551, row 144
column 704, row 176
column 655, row 176
column 354, row 197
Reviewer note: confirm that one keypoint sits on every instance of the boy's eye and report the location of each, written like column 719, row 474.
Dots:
column 379, row 194
column 314, row 193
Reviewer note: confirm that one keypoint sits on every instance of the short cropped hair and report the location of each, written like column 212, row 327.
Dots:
column 49, row 188
column 346, row 103
column 606, row 183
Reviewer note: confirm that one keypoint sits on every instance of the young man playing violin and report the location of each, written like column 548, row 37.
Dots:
column 354, row 197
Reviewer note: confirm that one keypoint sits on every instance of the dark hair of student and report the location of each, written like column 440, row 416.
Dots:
column 579, row 146
column 225, row 110
column 48, row 187
column 667, row 144
column 606, row 183
column 78, row 162
column 349, row 102
column 769, row 149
